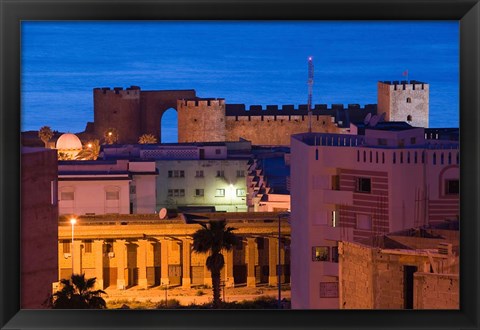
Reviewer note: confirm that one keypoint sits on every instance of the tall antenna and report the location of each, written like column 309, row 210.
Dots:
column 310, row 89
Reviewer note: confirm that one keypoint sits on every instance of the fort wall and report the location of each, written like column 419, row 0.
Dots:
column 201, row 120
column 117, row 108
column 134, row 112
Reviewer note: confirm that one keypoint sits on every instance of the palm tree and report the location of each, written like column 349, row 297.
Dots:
column 90, row 151
column 111, row 136
column 77, row 293
column 212, row 238
column 147, row 138
column 45, row 134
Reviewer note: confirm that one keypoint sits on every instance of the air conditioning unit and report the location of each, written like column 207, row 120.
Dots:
column 445, row 248
column 111, row 254
column 67, row 255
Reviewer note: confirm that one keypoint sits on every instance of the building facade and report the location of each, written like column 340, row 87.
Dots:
column 142, row 250
column 39, row 226
column 351, row 187
column 106, row 186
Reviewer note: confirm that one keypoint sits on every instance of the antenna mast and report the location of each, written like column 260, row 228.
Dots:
column 310, row 89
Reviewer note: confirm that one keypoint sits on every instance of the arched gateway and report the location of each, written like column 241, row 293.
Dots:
column 133, row 112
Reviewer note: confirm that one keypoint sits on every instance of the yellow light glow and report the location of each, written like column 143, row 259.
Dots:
column 73, row 221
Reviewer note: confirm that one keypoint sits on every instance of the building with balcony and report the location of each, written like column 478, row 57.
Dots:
column 389, row 177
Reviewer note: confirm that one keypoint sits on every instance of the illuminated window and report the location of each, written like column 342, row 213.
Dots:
column 220, row 193
column 320, row 253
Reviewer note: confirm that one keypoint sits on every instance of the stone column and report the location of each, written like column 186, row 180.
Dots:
column 98, row 255
column 251, row 249
column 164, row 247
column 229, row 280
column 77, row 257
column 120, row 256
column 142, row 263
column 272, row 261
column 186, row 262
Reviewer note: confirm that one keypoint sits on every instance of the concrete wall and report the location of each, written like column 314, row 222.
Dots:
column 39, row 226
column 436, row 291
column 374, row 278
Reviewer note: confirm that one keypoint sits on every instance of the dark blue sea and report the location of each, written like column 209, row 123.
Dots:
column 244, row 62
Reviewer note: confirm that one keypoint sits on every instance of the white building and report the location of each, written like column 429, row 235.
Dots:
column 102, row 187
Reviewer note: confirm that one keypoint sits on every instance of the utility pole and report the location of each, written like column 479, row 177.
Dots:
column 310, row 90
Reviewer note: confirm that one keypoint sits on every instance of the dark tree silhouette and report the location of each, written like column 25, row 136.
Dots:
column 77, row 293
column 213, row 238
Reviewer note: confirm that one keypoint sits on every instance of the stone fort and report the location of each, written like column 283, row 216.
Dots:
column 133, row 112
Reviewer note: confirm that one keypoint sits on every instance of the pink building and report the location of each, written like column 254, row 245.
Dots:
column 39, row 233
column 350, row 187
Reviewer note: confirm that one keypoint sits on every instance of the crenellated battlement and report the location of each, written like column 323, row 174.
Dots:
column 129, row 91
column 290, row 110
column 398, row 85
column 202, row 103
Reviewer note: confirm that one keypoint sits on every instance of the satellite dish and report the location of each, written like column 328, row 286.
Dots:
column 367, row 118
column 163, row 213
column 374, row 120
column 382, row 117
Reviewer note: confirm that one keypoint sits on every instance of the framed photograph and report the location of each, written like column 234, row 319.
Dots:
column 57, row 59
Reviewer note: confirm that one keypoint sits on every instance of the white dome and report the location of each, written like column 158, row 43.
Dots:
column 69, row 141
column 69, row 145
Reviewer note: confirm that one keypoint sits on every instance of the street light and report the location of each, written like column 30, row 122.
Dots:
column 279, row 267
column 73, row 221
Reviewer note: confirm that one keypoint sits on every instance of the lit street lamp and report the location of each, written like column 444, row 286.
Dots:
column 73, row 221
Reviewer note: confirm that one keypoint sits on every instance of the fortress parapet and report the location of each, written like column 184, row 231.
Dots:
column 132, row 91
column 202, row 103
column 290, row 110
column 403, row 85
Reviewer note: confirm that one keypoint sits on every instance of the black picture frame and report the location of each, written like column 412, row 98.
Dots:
column 14, row 11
